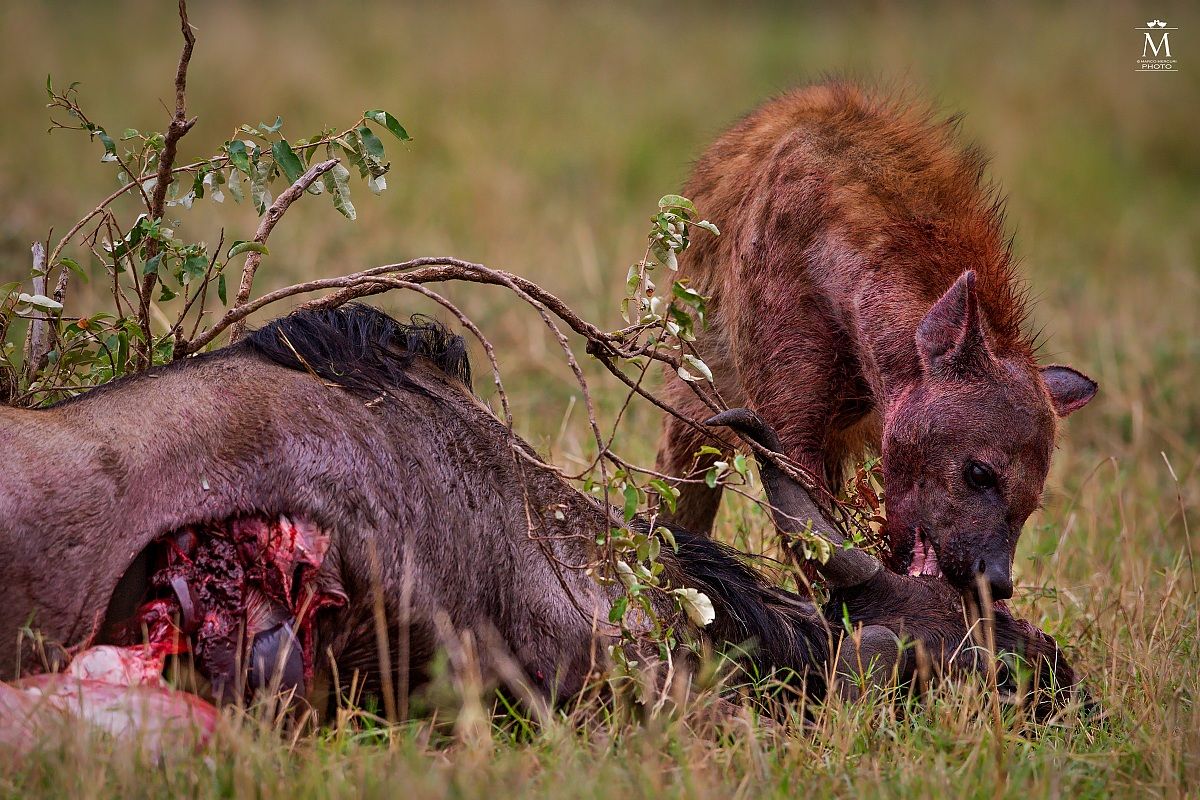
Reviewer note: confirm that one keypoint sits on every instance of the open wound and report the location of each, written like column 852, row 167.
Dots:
column 240, row 595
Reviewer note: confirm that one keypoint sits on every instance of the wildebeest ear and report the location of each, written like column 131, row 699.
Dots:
column 951, row 338
column 1070, row 390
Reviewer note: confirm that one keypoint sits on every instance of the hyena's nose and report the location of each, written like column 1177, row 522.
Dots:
column 998, row 574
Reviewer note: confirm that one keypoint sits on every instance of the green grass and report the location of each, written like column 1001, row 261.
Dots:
column 543, row 136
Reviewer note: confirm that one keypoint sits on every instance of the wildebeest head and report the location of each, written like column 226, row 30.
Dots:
column 966, row 450
column 922, row 608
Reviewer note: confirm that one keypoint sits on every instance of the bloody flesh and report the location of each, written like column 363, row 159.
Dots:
column 243, row 594
column 239, row 594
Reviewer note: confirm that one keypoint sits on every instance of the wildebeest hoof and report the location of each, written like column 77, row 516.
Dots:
column 749, row 425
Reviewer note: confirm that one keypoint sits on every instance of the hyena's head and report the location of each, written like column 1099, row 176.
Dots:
column 966, row 450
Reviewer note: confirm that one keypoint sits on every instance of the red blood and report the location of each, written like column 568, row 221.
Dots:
column 225, row 582
column 222, row 583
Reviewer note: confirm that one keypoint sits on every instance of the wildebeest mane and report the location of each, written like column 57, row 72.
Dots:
column 360, row 348
column 780, row 629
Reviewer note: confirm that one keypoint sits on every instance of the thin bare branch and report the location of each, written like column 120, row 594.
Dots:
column 429, row 269
column 180, row 125
column 202, row 295
column 265, row 226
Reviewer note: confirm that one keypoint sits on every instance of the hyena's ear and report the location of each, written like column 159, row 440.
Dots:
column 1070, row 390
column 952, row 339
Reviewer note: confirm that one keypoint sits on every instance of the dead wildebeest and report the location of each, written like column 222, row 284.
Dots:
column 863, row 295
column 263, row 506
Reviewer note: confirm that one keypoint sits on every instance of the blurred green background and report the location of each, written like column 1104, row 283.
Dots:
column 545, row 132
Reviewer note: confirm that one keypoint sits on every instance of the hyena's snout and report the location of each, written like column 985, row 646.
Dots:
column 967, row 561
column 995, row 569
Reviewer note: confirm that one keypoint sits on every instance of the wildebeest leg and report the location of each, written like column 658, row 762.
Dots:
column 697, row 506
column 870, row 657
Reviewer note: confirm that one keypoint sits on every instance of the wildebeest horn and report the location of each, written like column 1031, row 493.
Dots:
column 793, row 507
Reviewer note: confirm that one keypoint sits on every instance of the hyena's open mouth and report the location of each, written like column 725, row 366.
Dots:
column 236, row 599
column 925, row 560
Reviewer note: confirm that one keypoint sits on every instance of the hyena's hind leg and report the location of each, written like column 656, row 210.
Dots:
column 678, row 445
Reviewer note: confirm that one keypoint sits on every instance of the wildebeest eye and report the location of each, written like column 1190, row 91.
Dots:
column 979, row 476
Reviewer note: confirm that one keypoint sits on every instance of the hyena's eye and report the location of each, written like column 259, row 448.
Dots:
column 979, row 476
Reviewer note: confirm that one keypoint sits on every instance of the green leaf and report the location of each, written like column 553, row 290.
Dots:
column 388, row 121
column 132, row 239
column 287, row 160
column 167, row 293
column 631, row 501
column 151, row 266
column 708, row 226
column 122, row 350
column 238, row 156
column 371, row 143
column 195, row 266
column 676, row 203
column 666, row 491
column 259, row 193
column 337, row 182
column 369, row 157
column 351, row 144
column 110, row 147
column 664, row 255
column 664, row 533
column 273, row 127
column 650, row 549
column 240, row 247
column 221, row 288
column 633, row 280
column 617, row 612
column 74, row 266
column 686, row 293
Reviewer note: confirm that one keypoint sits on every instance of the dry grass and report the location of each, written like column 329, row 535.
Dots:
column 543, row 136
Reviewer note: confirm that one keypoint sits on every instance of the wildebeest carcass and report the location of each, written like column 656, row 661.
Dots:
column 263, row 507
